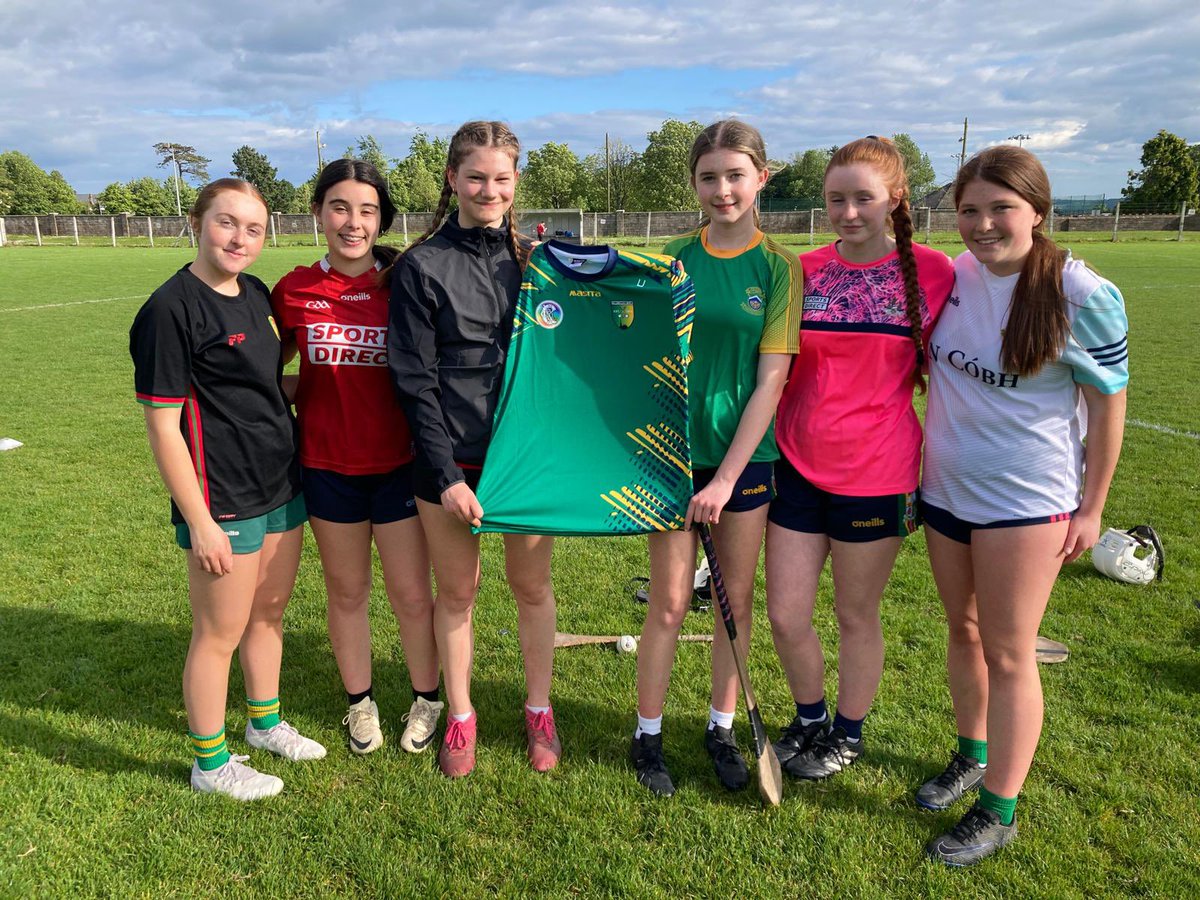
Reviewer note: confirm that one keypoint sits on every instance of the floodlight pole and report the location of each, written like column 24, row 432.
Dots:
column 608, row 170
column 1019, row 138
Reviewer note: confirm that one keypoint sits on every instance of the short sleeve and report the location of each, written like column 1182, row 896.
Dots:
column 683, row 302
column 1097, row 348
column 785, row 304
column 280, row 307
column 161, row 351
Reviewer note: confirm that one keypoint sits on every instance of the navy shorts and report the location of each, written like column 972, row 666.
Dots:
column 802, row 506
column 425, row 483
column 379, row 499
column 755, row 487
column 951, row 526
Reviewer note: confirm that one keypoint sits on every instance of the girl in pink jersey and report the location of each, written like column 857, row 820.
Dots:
column 850, row 446
column 356, row 449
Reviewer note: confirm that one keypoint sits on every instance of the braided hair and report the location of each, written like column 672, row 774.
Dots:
column 882, row 155
column 470, row 137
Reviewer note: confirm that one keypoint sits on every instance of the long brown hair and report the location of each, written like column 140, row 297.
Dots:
column 470, row 137
column 1037, row 328
column 882, row 155
column 730, row 134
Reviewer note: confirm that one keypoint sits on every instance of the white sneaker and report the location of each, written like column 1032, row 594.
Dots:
column 235, row 780
column 422, row 719
column 284, row 740
column 363, row 723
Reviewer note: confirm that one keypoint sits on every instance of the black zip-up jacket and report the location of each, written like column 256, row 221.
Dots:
column 449, row 325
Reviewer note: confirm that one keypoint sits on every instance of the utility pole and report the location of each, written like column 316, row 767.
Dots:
column 320, row 162
column 608, row 171
column 175, row 166
column 962, row 156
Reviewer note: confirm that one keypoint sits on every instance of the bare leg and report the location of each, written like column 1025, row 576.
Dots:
column 261, row 648
column 794, row 563
column 738, row 539
column 405, row 561
column 346, row 563
column 527, row 565
column 454, row 552
column 672, row 574
column 951, row 563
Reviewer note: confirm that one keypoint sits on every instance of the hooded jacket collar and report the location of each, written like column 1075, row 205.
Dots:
column 476, row 238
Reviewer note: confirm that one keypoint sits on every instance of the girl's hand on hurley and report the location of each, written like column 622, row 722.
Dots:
column 210, row 545
column 706, row 506
column 460, row 501
column 1082, row 534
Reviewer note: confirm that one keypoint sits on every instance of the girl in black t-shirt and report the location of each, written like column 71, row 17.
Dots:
column 207, row 369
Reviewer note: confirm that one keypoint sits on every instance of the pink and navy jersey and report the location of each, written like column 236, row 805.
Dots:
column 846, row 420
column 350, row 420
column 218, row 359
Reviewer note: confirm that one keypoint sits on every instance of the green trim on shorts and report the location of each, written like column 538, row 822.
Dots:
column 247, row 535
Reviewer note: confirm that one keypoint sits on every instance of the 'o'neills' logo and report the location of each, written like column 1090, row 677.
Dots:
column 548, row 314
column 622, row 313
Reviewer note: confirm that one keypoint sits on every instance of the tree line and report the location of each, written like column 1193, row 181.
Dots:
column 554, row 177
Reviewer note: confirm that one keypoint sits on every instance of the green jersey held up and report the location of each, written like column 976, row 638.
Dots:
column 591, row 430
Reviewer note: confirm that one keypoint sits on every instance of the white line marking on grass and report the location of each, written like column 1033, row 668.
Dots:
column 1162, row 429
column 72, row 303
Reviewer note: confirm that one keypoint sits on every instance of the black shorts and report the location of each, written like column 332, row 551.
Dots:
column 755, row 487
column 802, row 506
column 380, row 499
column 949, row 525
column 425, row 482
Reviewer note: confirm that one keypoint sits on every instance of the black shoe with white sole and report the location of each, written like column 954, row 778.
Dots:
column 647, row 757
column 944, row 790
column 798, row 737
column 828, row 755
column 727, row 760
column 977, row 836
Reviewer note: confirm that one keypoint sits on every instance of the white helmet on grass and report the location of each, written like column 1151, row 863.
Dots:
column 1134, row 556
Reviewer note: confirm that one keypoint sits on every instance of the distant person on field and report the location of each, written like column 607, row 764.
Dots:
column 356, row 450
column 207, row 368
column 541, row 231
column 1029, row 333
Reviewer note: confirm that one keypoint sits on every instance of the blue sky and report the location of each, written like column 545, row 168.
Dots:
column 89, row 87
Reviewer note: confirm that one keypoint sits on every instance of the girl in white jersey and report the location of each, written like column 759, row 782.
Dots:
column 1004, row 499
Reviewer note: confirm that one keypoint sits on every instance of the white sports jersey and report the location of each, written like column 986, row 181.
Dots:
column 1000, row 446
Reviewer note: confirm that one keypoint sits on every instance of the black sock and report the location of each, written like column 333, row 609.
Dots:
column 431, row 696
column 359, row 697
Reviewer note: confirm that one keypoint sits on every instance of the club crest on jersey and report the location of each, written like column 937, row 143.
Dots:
column 548, row 314
column 274, row 327
column 622, row 313
column 753, row 303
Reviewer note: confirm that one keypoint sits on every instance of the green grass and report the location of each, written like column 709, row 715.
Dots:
column 94, row 626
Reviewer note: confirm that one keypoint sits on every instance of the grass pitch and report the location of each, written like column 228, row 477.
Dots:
column 94, row 625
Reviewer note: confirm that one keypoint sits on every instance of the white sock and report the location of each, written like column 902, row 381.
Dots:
column 537, row 709
column 716, row 717
column 461, row 717
column 804, row 721
column 648, row 726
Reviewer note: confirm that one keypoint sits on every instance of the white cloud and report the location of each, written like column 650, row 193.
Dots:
column 1085, row 79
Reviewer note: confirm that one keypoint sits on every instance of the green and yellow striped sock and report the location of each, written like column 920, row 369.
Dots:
column 263, row 714
column 211, row 752
column 1004, row 807
column 976, row 750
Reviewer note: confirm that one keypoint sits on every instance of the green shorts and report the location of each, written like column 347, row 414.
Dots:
column 247, row 535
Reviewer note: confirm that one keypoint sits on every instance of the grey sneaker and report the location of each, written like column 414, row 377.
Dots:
column 235, row 780
column 362, row 720
column 284, row 740
column 421, row 724
column 977, row 836
column 944, row 790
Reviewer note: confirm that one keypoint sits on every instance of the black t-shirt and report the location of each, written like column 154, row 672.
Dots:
column 219, row 359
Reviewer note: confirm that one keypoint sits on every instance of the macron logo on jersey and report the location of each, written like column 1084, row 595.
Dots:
column 330, row 344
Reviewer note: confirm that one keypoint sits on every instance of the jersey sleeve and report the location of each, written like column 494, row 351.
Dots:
column 683, row 302
column 785, row 304
column 161, row 350
column 1097, row 347
column 281, row 305
column 935, row 274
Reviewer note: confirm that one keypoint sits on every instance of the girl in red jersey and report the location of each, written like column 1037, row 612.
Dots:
column 850, row 445
column 356, row 450
column 207, row 369
column 454, row 292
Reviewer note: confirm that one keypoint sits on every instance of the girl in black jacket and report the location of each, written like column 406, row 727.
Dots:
column 453, row 295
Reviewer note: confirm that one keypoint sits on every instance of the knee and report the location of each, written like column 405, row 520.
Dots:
column 856, row 622
column 410, row 601
column 964, row 634
column 531, row 589
column 456, row 598
column 348, row 595
column 1004, row 661
column 668, row 611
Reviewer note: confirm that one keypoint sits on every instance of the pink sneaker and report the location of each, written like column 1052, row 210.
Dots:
column 457, row 756
column 542, row 737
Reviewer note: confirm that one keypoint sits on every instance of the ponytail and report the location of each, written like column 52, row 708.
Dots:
column 903, row 227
